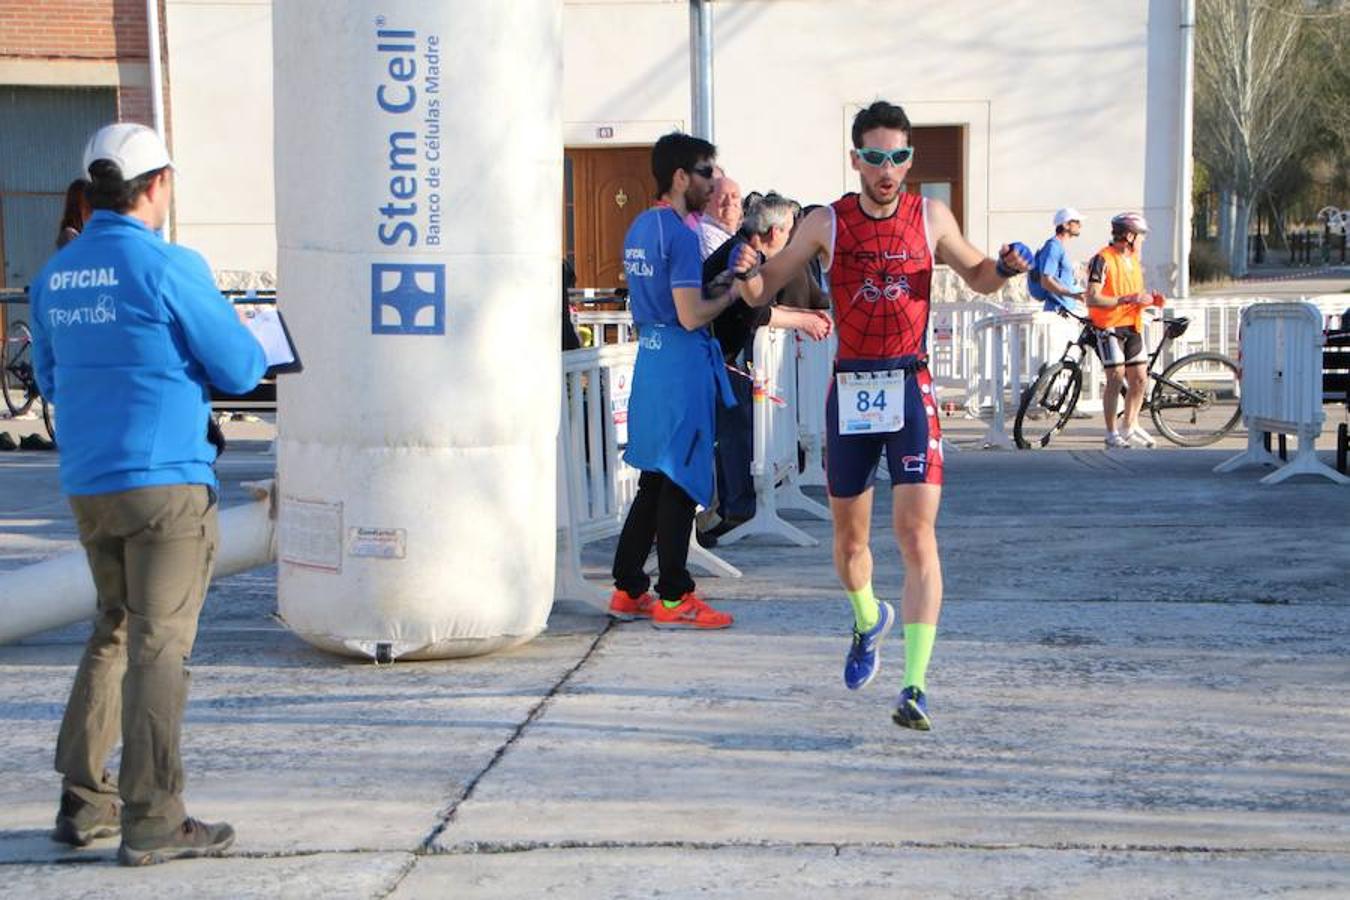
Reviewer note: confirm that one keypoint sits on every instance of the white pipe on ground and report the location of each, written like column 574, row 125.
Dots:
column 59, row 591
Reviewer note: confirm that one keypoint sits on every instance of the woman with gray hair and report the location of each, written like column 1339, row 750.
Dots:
column 766, row 211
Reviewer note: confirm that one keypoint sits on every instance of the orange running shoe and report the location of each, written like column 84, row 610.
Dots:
column 625, row 607
column 691, row 613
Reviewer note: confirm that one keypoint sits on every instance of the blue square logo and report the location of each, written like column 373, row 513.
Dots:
column 407, row 298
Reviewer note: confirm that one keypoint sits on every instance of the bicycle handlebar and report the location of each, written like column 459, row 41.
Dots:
column 1155, row 311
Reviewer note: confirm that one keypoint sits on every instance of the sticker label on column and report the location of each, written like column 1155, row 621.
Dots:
column 378, row 543
column 309, row 533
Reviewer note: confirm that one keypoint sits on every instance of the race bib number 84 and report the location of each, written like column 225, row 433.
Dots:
column 871, row 402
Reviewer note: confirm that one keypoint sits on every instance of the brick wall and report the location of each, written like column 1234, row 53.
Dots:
column 133, row 105
column 103, row 30
column 73, row 29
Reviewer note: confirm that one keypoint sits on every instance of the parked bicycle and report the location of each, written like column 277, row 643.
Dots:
column 18, row 381
column 1193, row 402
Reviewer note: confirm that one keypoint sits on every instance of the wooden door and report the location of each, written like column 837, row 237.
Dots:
column 604, row 190
column 939, row 167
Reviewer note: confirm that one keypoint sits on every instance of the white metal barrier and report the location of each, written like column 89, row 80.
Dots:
column 815, row 365
column 1282, row 387
column 595, row 485
column 1011, row 349
column 1333, row 308
column 774, row 463
column 1215, row 321
column 621, row 320
column 953, row 350
column 953, row 353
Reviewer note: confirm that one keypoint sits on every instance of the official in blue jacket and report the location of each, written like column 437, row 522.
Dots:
column 677, row 380
column 128, row 332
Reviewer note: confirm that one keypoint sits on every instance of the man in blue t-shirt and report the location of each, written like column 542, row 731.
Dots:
column 677, row 381
column 1051, row 278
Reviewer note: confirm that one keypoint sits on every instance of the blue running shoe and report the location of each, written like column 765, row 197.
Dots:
column 864, row 657
column 911, row 710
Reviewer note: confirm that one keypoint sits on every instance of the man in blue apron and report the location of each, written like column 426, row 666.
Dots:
column 678, row 379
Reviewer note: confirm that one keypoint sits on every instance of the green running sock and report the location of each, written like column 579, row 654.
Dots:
column 919, row 640
column 671, row 604
column 865, row 608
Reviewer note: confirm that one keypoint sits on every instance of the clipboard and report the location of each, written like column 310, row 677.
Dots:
column 268, row 326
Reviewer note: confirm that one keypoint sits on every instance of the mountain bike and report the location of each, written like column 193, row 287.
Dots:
column 18, row 381
column 1193, row 402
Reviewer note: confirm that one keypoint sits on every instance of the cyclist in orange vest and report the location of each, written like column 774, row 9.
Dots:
column 1116, row 299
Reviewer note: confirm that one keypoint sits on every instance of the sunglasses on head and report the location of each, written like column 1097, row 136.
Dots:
column 705, row 171
column 874, row 157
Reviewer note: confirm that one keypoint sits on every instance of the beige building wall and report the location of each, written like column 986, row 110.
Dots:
column 1063, row 104
column 220, row 57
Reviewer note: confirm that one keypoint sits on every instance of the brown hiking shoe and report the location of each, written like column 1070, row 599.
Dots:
column 192, row 838
column 78, row 822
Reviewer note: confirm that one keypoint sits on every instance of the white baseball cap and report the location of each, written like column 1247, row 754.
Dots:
column 1066, row 215
column 135, row 149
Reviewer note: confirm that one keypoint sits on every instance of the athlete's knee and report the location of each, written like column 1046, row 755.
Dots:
column 917, row 540
column 915, row 528
column 850, row 543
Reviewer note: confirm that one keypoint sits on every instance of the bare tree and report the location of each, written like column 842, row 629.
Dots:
column 1251, row 112
column 1332, row 53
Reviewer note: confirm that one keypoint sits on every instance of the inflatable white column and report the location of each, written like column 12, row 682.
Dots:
column 418, row 181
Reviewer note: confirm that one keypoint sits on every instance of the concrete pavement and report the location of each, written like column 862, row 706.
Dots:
column 1138, row 691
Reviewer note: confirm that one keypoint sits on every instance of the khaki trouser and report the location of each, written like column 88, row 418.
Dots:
column 150, row 551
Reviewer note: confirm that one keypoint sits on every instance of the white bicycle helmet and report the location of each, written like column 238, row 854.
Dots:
column 1129, row 223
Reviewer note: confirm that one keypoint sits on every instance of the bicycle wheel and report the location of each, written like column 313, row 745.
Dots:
column 1047, row 405
column 17, row 381
column 1195, row 401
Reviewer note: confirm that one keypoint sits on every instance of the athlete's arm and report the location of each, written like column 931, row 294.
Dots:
column 975, row 269
column 812, row 239
column 693, row 307
column 694, row 310
column 1052, row 284
column 813, row 322
column 1096, row 279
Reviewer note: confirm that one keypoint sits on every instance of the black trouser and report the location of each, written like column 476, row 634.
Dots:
column 663, row 512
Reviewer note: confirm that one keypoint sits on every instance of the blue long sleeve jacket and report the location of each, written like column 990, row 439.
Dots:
column 128, row 332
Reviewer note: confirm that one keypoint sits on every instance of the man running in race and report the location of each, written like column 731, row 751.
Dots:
column 1116, row 299
column 878, row 248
